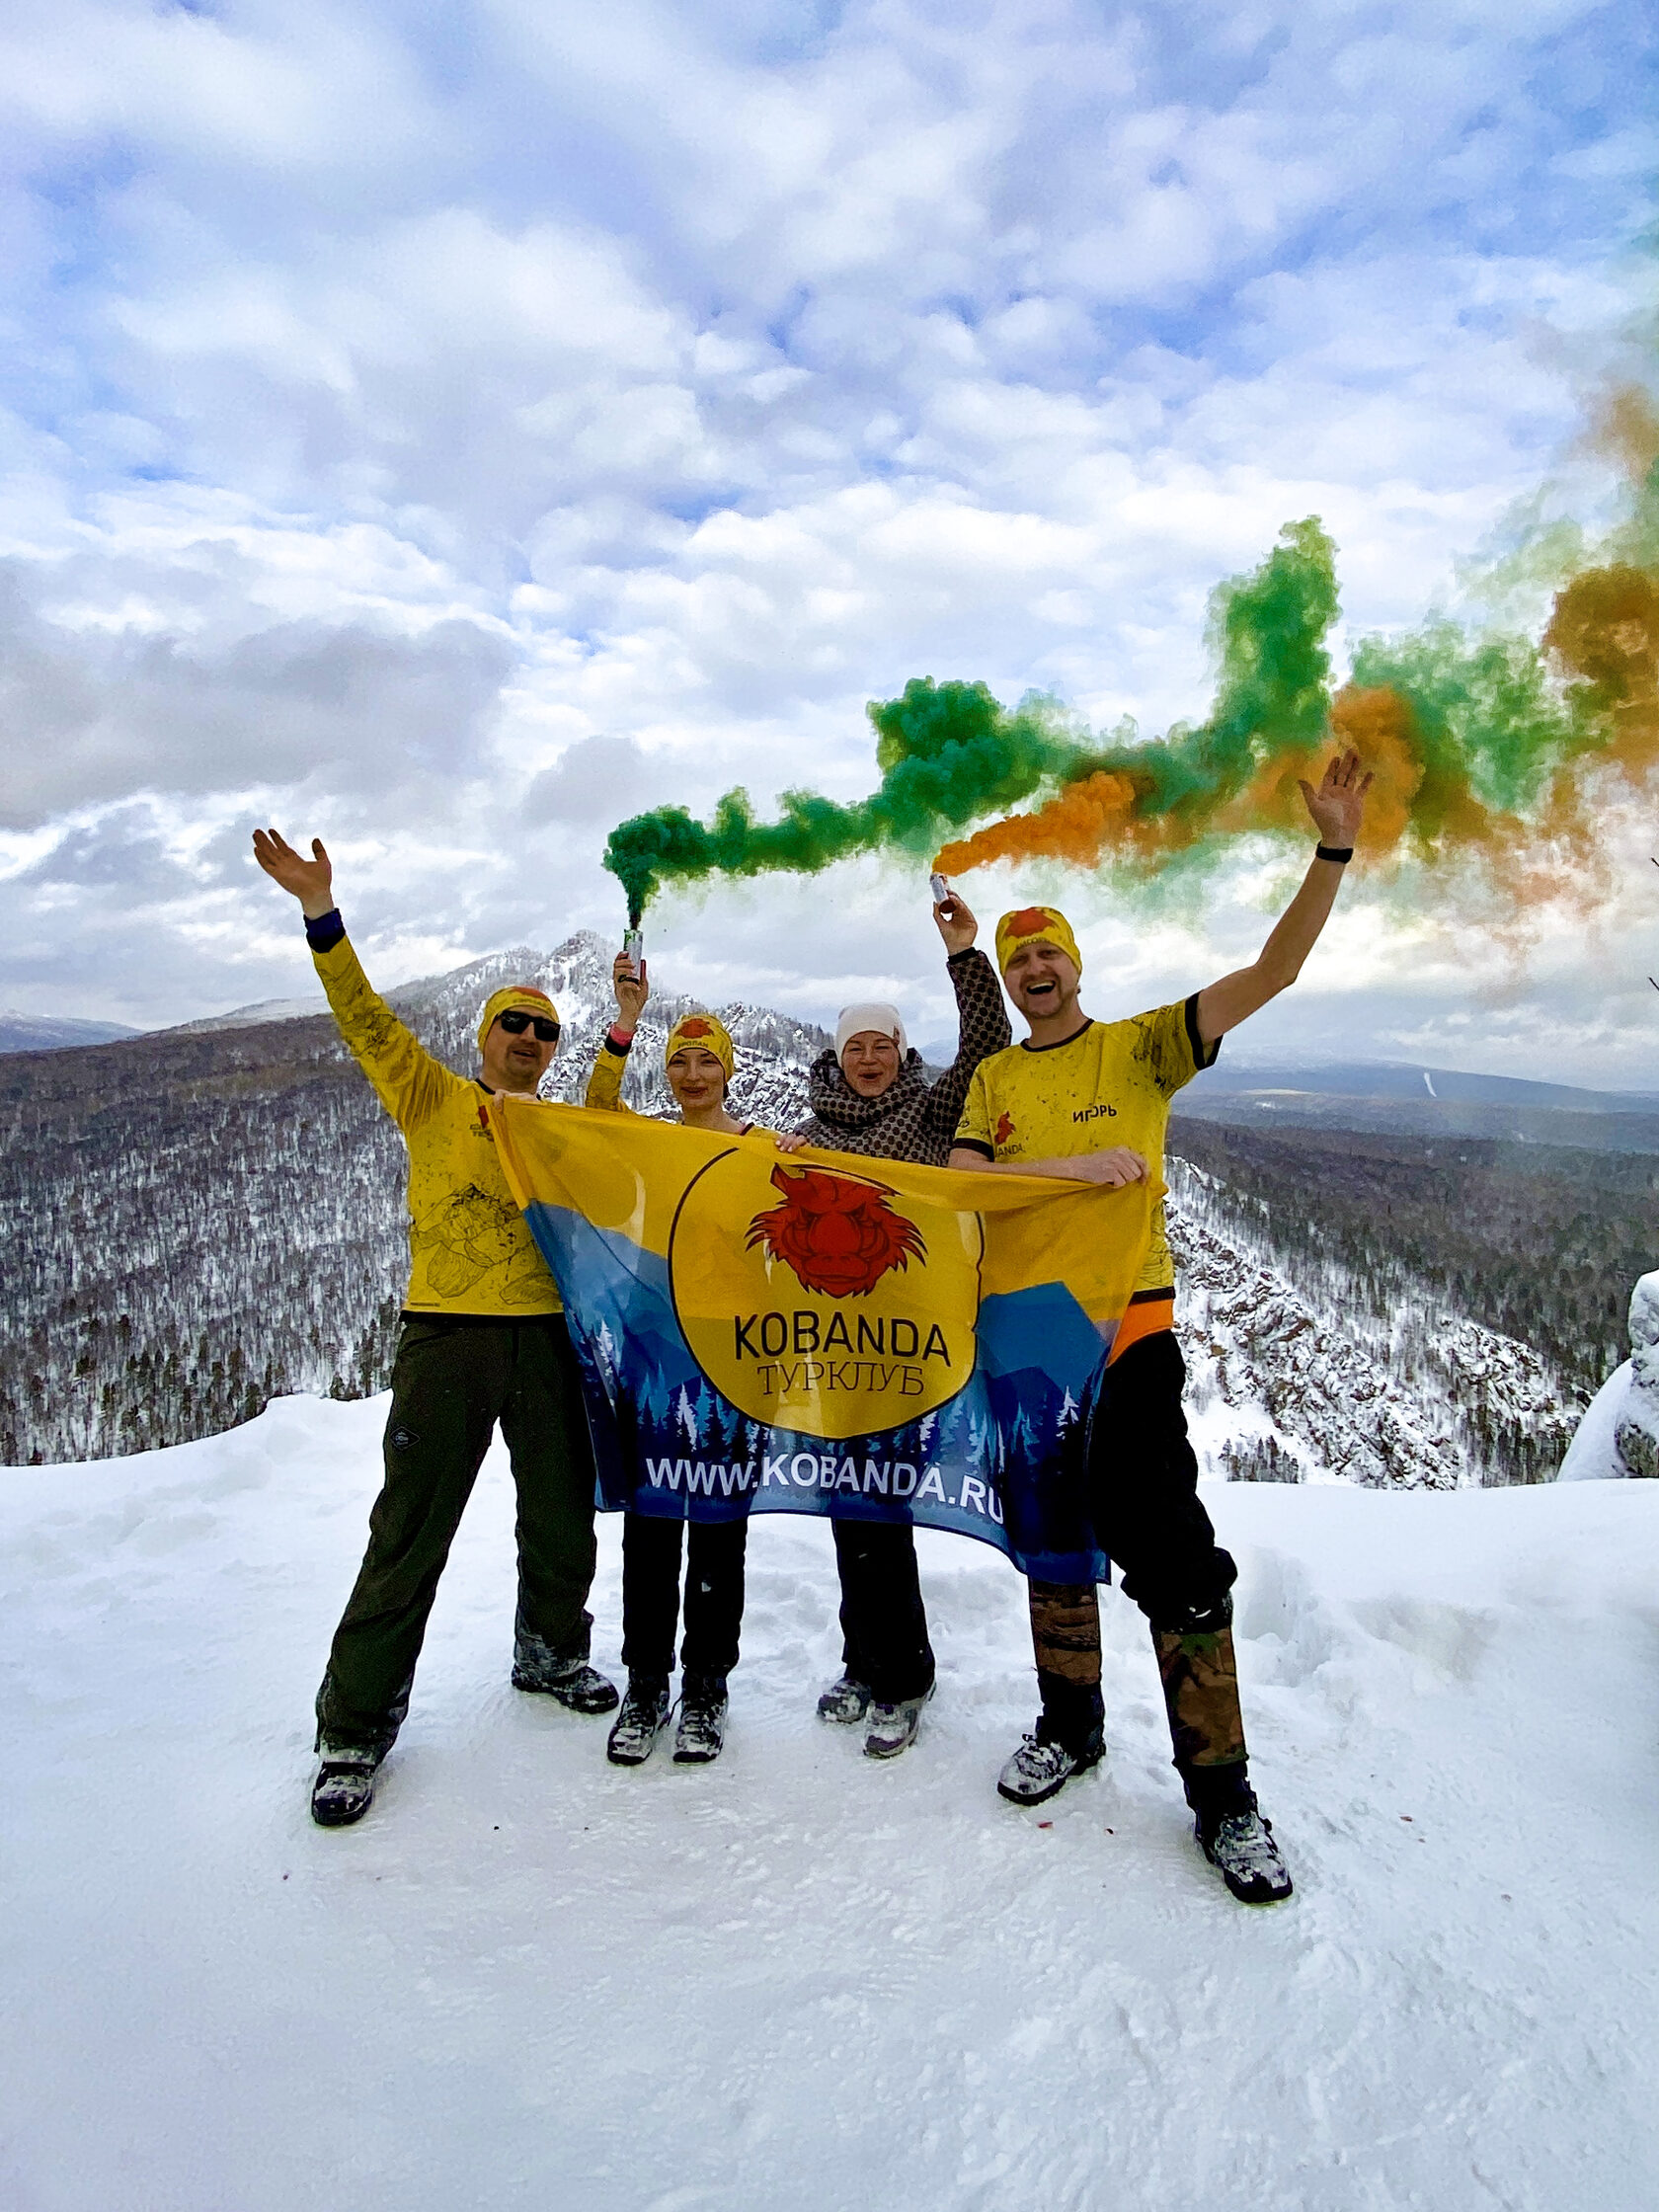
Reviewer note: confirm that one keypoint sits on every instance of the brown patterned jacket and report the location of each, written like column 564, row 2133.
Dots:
column 913, row 1119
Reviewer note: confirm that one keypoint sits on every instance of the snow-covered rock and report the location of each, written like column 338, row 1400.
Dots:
column 1618, row 1436
column 800, row 1978
column 1593, row 1455
column 774, row 1051
column 1636, row 1436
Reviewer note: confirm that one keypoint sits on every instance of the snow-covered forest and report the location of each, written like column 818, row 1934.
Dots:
column 202, row 1221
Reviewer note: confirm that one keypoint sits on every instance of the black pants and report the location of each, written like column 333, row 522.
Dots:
column 452, row 1380
column 1142, row 1494
column 884, row 1624
column 1142, row 1480
column 714, row 1593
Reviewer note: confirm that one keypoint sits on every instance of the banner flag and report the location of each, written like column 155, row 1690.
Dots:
column 818, row 1332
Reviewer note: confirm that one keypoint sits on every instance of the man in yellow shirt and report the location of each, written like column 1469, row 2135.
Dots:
column 484, row 1339
column 1089, row 1101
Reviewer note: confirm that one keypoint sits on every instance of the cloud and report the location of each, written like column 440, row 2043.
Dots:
column 596, row 781
column 459, row 464
column 113, row 714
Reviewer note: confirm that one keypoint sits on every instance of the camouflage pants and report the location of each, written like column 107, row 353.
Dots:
column 1148, row 1516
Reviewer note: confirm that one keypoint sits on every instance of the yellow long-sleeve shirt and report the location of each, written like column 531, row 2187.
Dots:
column 470, row 1250
column 604, row 1085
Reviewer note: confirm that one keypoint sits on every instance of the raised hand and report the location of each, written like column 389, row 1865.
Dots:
column 310, row 881
column 955, row 922
column 1339, row 803
column 631, row 990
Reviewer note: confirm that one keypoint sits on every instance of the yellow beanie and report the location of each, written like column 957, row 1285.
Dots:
column 707, row 1030
column 1030, row 925
column 533, row 1000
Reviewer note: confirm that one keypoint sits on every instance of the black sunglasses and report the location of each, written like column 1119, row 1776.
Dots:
column 516, row 1021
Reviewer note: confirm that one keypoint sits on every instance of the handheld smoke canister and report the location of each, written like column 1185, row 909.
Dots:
column 633, row 947
column 940, row 888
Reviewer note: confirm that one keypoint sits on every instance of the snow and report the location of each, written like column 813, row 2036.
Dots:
column 1592, row 1453
column 800, row 1978
column 1618, row 1435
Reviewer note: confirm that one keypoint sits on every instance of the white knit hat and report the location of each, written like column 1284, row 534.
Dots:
column 876, row 1016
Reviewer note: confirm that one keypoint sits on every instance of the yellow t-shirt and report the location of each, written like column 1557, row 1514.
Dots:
column 470, row 1249
column 1109, row 1085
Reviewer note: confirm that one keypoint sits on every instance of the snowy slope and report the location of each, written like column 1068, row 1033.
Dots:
column 1410, row 1403
column 46, row 1033
column 799, row 1979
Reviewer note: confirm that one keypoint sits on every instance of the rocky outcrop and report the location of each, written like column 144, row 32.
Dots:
column 1636, row 1435
column 1430, row 1402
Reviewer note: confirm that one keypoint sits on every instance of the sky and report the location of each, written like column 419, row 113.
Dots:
column 448, row 429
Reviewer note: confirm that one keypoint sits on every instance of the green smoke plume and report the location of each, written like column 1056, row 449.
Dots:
column 1267, row 632
column 948, row 754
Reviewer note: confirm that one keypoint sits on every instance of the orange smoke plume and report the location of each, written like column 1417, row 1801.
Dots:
column 1076, row 824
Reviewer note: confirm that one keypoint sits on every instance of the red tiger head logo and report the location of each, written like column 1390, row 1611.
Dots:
column 835, row 1233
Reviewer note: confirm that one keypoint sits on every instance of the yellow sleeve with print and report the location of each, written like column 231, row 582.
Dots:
column 604, row 1085
column 974, row 1126
column 469, row 1248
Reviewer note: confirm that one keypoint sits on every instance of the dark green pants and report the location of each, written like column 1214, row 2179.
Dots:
column 453, row 1381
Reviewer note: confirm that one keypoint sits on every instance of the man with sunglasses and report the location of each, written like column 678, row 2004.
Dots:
column 483, row 1341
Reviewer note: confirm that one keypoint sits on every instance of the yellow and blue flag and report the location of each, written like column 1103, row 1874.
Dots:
column 822, row 1334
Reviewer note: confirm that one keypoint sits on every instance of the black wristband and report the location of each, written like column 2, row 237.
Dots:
column 1341, row 854
column 324, row 931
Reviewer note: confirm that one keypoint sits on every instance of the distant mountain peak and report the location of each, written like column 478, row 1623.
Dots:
column 55, row 1033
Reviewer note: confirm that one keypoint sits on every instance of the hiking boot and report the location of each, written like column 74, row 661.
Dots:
column 844, row 1701
column 643, row 1716
column 570, row 1679
column 702, row 1720
column 1240, row 1845
column 1040, row 1769
column 892, row 1728
column 343, row 1788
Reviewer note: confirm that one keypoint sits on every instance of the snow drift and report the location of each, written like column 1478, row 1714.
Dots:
column 800, row 1978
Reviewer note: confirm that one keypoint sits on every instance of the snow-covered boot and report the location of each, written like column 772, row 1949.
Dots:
column 1240, row 1843
column 844, row 1700
column 343, row 1788
column 1040, row 1767
column 643, row 1716
column 564, row 1675
column 892, row 1728
column 702, row 1720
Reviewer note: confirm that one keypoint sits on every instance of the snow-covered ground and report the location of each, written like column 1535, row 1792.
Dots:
column 800, row 1979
